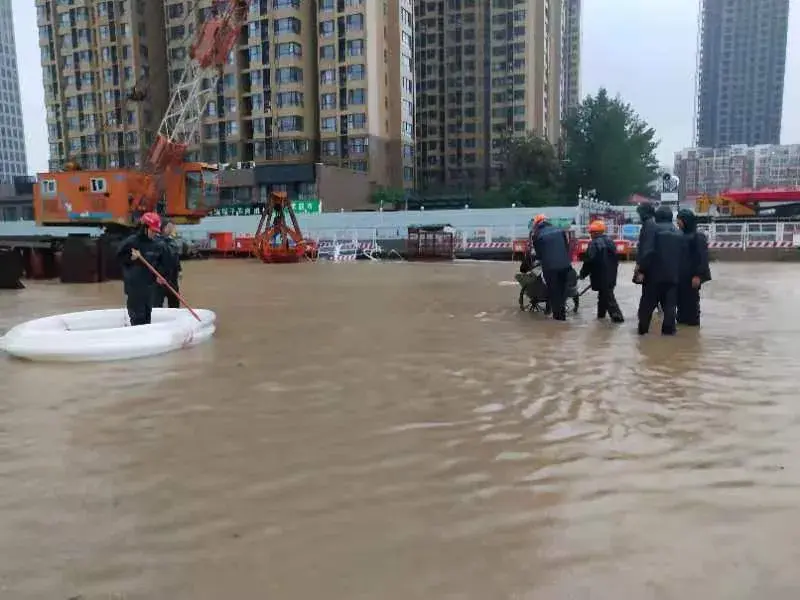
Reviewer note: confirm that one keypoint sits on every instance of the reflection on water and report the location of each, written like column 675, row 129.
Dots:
column 364, row 431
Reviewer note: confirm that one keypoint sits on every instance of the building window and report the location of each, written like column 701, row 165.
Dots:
column 289, row 49
column 355, row 72
column 290, row 99
column 328, row 124
column 327, row 76
column 327, row 52
column 97, row 185
column 330, row 148
column 290, row 123
column 358, row 145
column 354, row 22
column 355, row 47
column 327, row 101
column 357, row 121
column 289, row 75
column 357, row 97
column 48, row 187
column 286, row 25
column 327, row 28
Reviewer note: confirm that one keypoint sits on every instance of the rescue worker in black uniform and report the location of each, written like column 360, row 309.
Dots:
column 647, row 213
column 659, row 259
column 600, row 265
column 694, row 271
column 139, row 281
column 552, row 249
column 172, row 268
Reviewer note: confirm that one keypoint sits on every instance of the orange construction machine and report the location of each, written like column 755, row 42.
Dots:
column 278, row 238
column 753, row 205
column 181, row 191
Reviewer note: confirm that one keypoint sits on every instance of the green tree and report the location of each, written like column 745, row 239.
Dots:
column 608, row 148
column 388, row 197
column 530, row 173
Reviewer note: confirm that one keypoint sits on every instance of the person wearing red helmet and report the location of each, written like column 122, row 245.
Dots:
column 600, row 265
column 140, row 283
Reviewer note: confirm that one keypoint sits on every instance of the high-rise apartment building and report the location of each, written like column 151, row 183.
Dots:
column 485, row 70
column 12, row 133
column 330, row 82
column 104, row 81
column 741, row 70
column 570, row 55
column 264, row 105
column 366, row 87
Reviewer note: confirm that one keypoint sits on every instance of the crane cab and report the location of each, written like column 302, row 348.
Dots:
column 115, row 197
column 190, row 192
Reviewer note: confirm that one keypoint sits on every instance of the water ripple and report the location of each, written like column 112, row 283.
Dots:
column 403, row 431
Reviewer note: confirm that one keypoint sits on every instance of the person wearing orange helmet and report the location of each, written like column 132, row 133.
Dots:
column 600, row 265
column 140, row 283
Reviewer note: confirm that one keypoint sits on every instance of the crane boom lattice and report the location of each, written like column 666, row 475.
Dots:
column 208, row 54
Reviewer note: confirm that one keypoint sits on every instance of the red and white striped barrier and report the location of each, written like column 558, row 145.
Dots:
column 488, row 245
column 770, row 245
column 720, row 245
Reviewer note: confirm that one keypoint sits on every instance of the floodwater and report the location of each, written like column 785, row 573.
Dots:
column 403, row 432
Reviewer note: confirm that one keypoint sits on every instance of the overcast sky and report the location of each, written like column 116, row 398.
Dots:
column 642, row 49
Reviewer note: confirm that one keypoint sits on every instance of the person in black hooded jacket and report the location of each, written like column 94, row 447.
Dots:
column 694, row 271
column 552, row 249
column 600, row 264
column 647, row 213
column 659, row 259
column 172, row 267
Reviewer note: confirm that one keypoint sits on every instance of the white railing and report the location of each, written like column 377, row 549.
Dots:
column 729, row 235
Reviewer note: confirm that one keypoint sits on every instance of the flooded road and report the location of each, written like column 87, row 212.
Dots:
column 403, row 432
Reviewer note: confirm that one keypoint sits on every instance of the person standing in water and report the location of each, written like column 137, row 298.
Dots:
column 552, row 249
column 172, row 267
column 694, row 271
column 659, row 260
column 600, row 265
column 647, row 213
column 139, row 281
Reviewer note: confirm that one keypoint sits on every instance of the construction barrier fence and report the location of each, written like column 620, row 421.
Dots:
column 720, row 235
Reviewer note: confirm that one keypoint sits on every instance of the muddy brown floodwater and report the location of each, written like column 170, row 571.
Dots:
column 403, row 432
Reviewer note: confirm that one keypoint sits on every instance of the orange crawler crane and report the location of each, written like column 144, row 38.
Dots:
column 184, row 191
column 278, row 238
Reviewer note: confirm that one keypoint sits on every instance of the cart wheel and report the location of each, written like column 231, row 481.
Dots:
column 577, row 302
column 522, row 299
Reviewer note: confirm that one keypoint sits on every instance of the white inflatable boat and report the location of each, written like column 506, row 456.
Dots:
column 105, row 335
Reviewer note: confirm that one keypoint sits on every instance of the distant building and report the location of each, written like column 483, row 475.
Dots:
column 12, row 133
column 710, row 171
column 741, row 69
column 16, row 200
column 570, row 55
column 484, row 71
